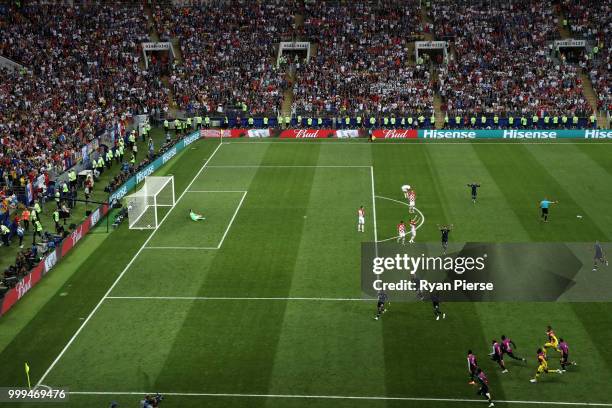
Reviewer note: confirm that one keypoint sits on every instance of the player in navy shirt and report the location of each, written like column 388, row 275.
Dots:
column 380, row 305
column 474, row 187
column 435, row 302
column 444, row 230
column 599, row 256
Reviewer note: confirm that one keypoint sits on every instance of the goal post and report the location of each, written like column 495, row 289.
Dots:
column 143, row 205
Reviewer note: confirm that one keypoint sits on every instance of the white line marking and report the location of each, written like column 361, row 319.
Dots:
column 380, row 142
column 216, row 191
column 178, row 247
column 345, row 397
column 406, row 204
column 374, row 211
column 74, row 336
column 246, row 166
column 232, row 220
column 315, row 299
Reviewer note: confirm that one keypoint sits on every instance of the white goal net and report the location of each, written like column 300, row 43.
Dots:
column 144, row 205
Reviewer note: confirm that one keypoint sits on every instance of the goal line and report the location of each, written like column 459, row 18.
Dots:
column 347, row 397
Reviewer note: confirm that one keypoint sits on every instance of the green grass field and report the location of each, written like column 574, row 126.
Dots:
column 260, row 304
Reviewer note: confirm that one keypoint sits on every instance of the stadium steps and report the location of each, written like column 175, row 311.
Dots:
column 287, row 101
column 153, row 34
column 171, row 101
column 591, row 96
column 438, row 111
column 425, row 18
column 411, row 55
column 298, row 20
column 178, row 54
column 563, row 31
column 589, row 92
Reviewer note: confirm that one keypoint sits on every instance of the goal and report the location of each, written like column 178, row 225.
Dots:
column 144, row 205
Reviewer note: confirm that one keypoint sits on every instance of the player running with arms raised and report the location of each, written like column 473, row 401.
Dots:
column 444, row 230
column 474, row 187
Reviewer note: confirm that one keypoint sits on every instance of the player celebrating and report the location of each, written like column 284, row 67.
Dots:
column 380, row 305
column 542, row 366
column 484, row 386
column 361, row 219
column 498, row 356
column 195, row 216
column 411, row 201
column 507, row 345
column 472, row 367
column 474, row 186
column 599, row 256
column 565, row 355
column 413, row 224
column 401, row 233
column 544, row 205
column 445, row 229
column 406, row 190
column 552, row 340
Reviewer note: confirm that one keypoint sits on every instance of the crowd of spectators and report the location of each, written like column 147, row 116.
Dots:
column 229, row 54
column 362, row 60
column 501, row 69
column 590, row 19
column 82, row 71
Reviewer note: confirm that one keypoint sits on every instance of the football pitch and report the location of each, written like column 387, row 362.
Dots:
column 260, row 304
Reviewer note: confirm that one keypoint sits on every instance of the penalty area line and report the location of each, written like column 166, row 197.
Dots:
column 123, row 272
column 315, row 299
column 180, row 248
column 343, row 397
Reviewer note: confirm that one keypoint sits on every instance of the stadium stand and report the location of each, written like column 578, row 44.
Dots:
column 591, row 20
column 82, row 71
column 362, row 68
column 500, row 72
column 229, row 55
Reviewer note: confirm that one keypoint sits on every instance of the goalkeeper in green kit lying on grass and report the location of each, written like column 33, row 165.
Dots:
column 195, row 216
